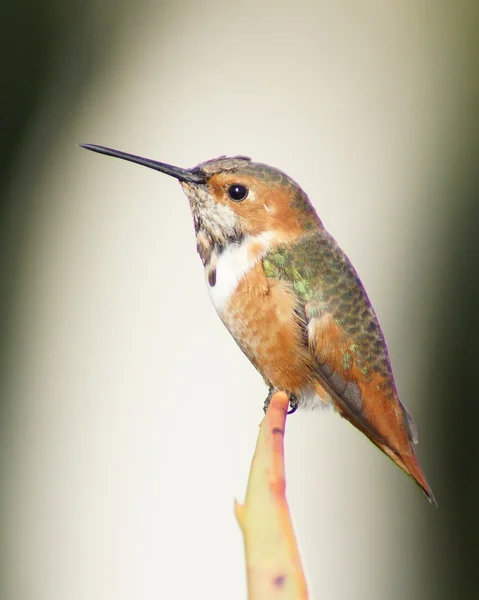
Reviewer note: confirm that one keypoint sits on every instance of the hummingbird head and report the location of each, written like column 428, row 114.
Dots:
column 233, row 197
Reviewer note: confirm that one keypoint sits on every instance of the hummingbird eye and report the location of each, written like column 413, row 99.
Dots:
column 237, row 192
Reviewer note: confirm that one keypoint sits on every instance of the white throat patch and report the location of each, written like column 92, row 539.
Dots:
column 233, row 264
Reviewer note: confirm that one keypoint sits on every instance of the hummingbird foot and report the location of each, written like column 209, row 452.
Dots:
column 293, row 405
column 293, row 401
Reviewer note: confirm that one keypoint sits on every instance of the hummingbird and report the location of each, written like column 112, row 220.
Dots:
column 291, row 298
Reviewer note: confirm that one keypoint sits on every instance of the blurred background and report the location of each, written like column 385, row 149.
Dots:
column 128, row 414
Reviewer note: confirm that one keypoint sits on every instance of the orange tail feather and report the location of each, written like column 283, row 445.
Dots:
column 406, row 460
column 410, row 465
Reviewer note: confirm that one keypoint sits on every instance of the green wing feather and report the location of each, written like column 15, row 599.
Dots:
column 326, row 282
column 324, row 279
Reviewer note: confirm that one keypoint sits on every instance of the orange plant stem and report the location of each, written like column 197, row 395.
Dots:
column 272, row 558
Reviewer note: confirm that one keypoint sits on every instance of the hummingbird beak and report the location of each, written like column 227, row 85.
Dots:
column 189, row 176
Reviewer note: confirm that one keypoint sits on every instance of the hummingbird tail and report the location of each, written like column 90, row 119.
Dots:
column 405, row 459
column 408, row 462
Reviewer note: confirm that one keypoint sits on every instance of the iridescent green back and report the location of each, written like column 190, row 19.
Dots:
column 327, row 283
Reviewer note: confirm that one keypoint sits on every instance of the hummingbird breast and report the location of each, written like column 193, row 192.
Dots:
column 228, row 265
column 263, row 316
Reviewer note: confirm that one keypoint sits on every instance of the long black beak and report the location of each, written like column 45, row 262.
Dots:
column 190, row 176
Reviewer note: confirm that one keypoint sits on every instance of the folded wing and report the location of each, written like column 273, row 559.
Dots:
column 351, row 353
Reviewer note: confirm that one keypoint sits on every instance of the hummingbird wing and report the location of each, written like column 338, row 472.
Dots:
column 345, row 337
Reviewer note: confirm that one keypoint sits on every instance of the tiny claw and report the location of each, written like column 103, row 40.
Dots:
column 293, row 404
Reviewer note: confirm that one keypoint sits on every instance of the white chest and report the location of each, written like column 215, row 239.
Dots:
column 232, row 265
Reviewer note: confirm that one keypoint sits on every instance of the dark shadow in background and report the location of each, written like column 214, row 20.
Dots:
column 34, row 36
column 453, row 382
column 48, row 48
column 30, row 35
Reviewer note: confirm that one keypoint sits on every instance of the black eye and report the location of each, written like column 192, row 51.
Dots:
column 237, row 192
